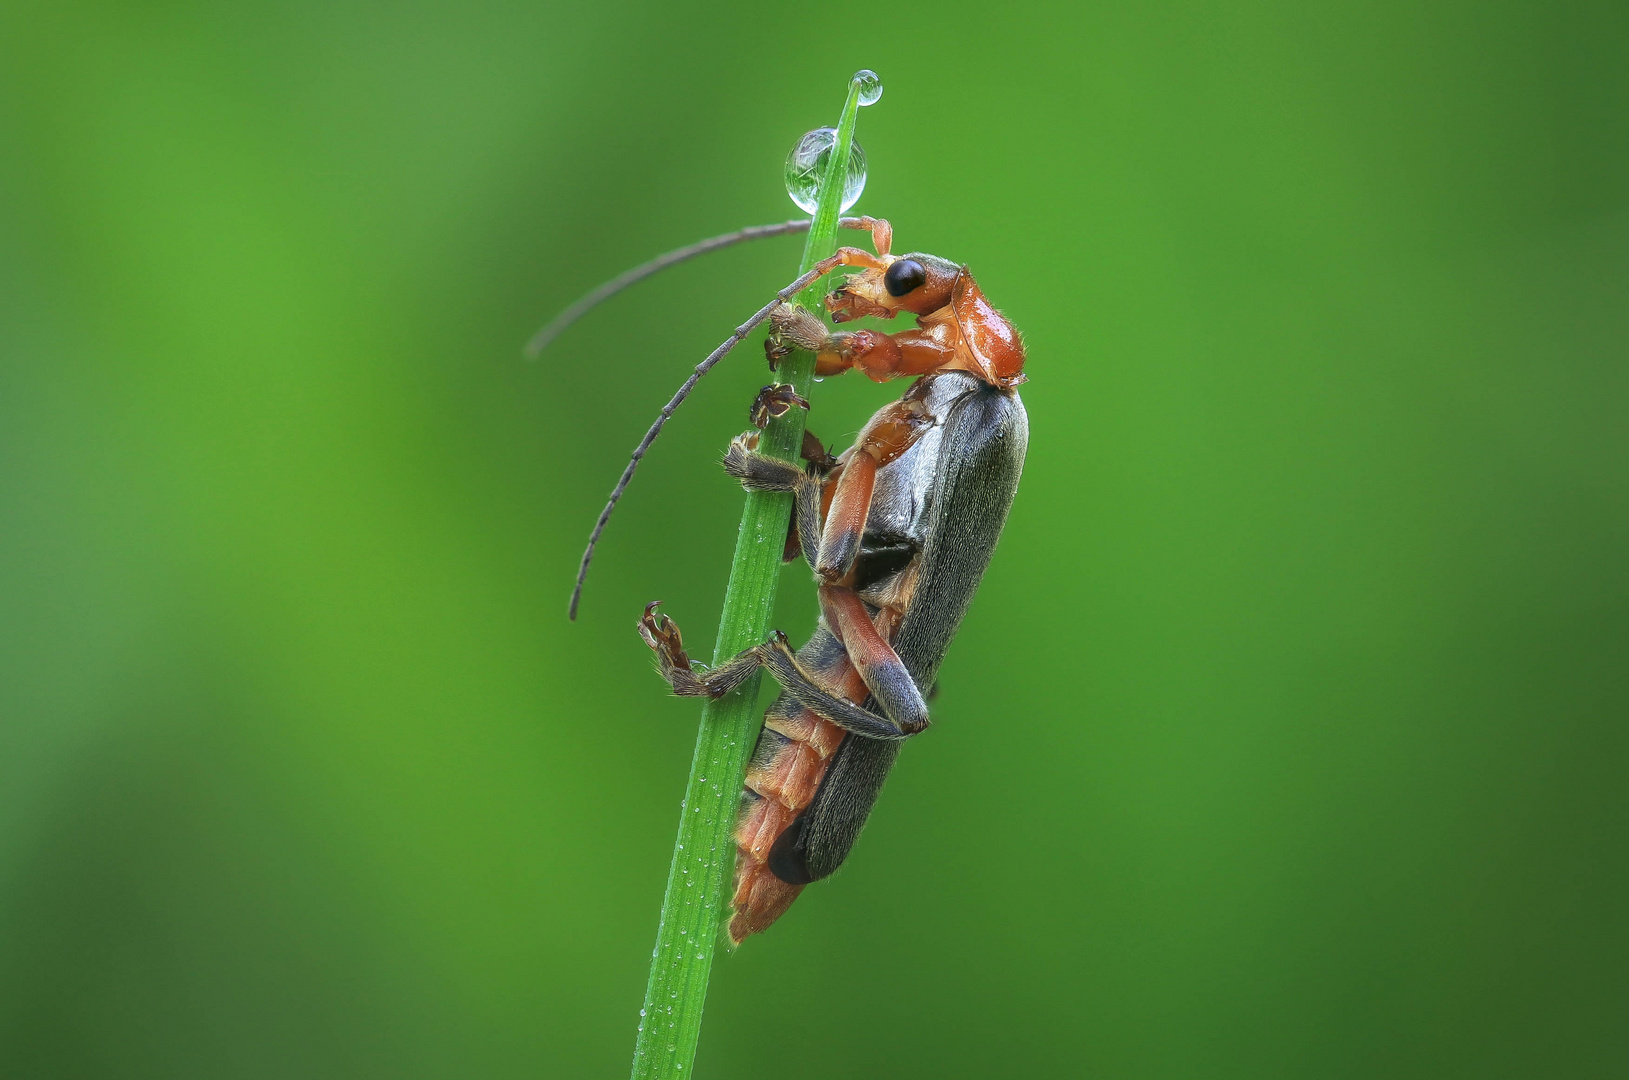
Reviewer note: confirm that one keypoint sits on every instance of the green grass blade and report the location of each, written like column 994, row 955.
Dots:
column 700, row 878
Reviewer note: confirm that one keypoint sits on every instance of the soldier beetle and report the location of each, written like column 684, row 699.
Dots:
column 897, row 530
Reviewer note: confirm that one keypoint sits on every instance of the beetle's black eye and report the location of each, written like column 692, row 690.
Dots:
column 903, row 276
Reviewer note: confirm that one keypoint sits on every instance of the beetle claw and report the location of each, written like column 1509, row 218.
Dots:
column 772, row 402
column 662, row 635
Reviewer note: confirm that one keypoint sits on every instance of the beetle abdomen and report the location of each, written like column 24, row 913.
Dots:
column 794, row 750
column 935, row 515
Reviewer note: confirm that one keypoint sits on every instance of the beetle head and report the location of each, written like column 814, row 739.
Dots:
column 915, row 283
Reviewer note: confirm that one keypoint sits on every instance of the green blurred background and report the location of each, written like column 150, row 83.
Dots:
column 1286, row 736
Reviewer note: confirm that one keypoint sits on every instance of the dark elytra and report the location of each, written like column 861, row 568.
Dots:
column 951, row 492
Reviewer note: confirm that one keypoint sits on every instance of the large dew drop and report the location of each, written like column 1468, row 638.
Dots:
column 870, row 86
column 806, row 166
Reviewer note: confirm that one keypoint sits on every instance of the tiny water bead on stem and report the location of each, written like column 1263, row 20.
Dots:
column 699, row 876
column 870, row 86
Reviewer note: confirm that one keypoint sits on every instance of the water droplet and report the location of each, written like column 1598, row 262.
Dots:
column 870, row 86
column 806, row 167
column 641, row 1013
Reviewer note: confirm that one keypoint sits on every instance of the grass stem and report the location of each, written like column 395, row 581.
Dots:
column 700, row 878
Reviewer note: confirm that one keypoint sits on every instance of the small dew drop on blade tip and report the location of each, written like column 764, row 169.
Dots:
column 870, row 86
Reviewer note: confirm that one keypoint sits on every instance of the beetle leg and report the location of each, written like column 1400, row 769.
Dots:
column 916, row 351
column 759, row 472
column 776, row 655
column 887, row 435
column 822, row 466
column 882, row 233
column 773, row 401
column 815, row 454
column 791, row 327
column 845, row 520
column 687, row 678
column 831, row 541
column 795, row 328
column 662, row 635
column 878, row 665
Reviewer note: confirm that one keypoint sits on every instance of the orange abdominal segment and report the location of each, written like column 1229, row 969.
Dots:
column 760, row 899
column 779, row 786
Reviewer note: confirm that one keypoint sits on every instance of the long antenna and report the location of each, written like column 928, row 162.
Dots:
column 816, row 272
column 584, row 305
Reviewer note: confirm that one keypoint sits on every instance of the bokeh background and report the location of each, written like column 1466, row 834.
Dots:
column 1286, row 737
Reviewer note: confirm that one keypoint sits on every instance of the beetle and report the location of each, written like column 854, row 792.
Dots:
column 897, row 530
